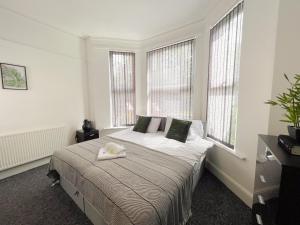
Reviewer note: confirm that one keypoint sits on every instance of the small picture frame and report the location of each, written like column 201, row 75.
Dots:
column 13, row 76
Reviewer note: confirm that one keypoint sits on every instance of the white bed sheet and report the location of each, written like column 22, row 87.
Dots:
column 193, row 151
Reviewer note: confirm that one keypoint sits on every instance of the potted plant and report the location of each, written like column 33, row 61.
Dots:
column 290, row 102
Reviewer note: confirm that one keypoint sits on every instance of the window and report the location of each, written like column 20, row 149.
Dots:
column 224, row 70
column 169, row 73
column 122, row 79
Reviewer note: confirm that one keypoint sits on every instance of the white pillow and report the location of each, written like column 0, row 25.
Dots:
column 196, row 130
column 168, row 124
column 153, row 125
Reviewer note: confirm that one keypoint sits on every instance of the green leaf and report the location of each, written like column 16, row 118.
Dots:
column 286, row 77
column 286, row 121
column 289, row 101
column 270, row 102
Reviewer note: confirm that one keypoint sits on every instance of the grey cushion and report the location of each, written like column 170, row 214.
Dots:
column 179, row 130
column 142, row 124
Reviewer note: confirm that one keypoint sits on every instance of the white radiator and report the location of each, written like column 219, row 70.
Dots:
column 20, row 148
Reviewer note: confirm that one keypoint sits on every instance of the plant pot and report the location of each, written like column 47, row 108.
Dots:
column 294, row 132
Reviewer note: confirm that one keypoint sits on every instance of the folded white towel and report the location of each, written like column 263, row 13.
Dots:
column 114, row 148
column 111, row 151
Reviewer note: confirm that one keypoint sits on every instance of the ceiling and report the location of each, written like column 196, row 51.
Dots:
column 125, row 19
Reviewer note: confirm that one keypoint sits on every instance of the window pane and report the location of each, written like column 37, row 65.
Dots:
column 169, row 72
column 122, row 78
column 224, row 66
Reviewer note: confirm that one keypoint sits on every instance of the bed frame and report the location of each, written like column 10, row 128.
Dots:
column 86, row 207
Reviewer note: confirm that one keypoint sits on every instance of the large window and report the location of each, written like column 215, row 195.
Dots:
column 224, row 70
column 122, row 79
column 169, row 73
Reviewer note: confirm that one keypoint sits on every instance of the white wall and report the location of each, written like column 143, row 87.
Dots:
column 235, row 172
column 256, row 84
column 256, row 65
column 99, row 79
column 55, row 71
column 98, row 70
column 287, row 57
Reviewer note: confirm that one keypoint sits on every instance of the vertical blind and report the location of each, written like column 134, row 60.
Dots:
column 169, row 74
column 224, row 70
column 122, row 78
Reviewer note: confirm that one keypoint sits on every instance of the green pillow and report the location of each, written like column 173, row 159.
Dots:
column 142, row 124
column 179, row 130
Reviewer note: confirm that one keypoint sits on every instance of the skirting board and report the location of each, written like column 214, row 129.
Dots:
column 24, row 167
column 232, row 184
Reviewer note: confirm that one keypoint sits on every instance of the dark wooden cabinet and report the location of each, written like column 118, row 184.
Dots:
column 86, row 136
column 276, row 199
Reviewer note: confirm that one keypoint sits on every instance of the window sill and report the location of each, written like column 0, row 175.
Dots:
column 227, row 149
column 110, row 130
column 120, row 127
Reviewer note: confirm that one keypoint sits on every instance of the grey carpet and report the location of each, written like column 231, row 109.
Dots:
column 27, row 199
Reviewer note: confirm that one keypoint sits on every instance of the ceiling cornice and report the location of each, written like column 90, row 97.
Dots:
column 141, row 40
column 39, row 22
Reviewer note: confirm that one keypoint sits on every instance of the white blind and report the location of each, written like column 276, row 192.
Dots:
column 169, row 73
column 224, row 70
column 122, row 78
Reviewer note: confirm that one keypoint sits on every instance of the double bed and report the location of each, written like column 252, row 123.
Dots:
column 153, row 185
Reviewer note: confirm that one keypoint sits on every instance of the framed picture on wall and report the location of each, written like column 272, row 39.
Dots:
column 13, row 77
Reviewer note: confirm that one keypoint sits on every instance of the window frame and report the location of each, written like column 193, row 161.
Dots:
column 121, row 90
column 186, row 88
column 225, row 145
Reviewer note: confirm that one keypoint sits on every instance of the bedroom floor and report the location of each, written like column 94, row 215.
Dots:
column 27, row 199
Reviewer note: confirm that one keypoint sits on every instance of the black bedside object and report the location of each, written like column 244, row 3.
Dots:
column 86, row 136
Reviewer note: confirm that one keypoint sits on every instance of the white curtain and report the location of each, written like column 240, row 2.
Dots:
column 122, row 79
column 169, row 74
column 224, row 70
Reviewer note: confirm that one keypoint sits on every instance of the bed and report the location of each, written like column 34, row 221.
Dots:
column 153, row 185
